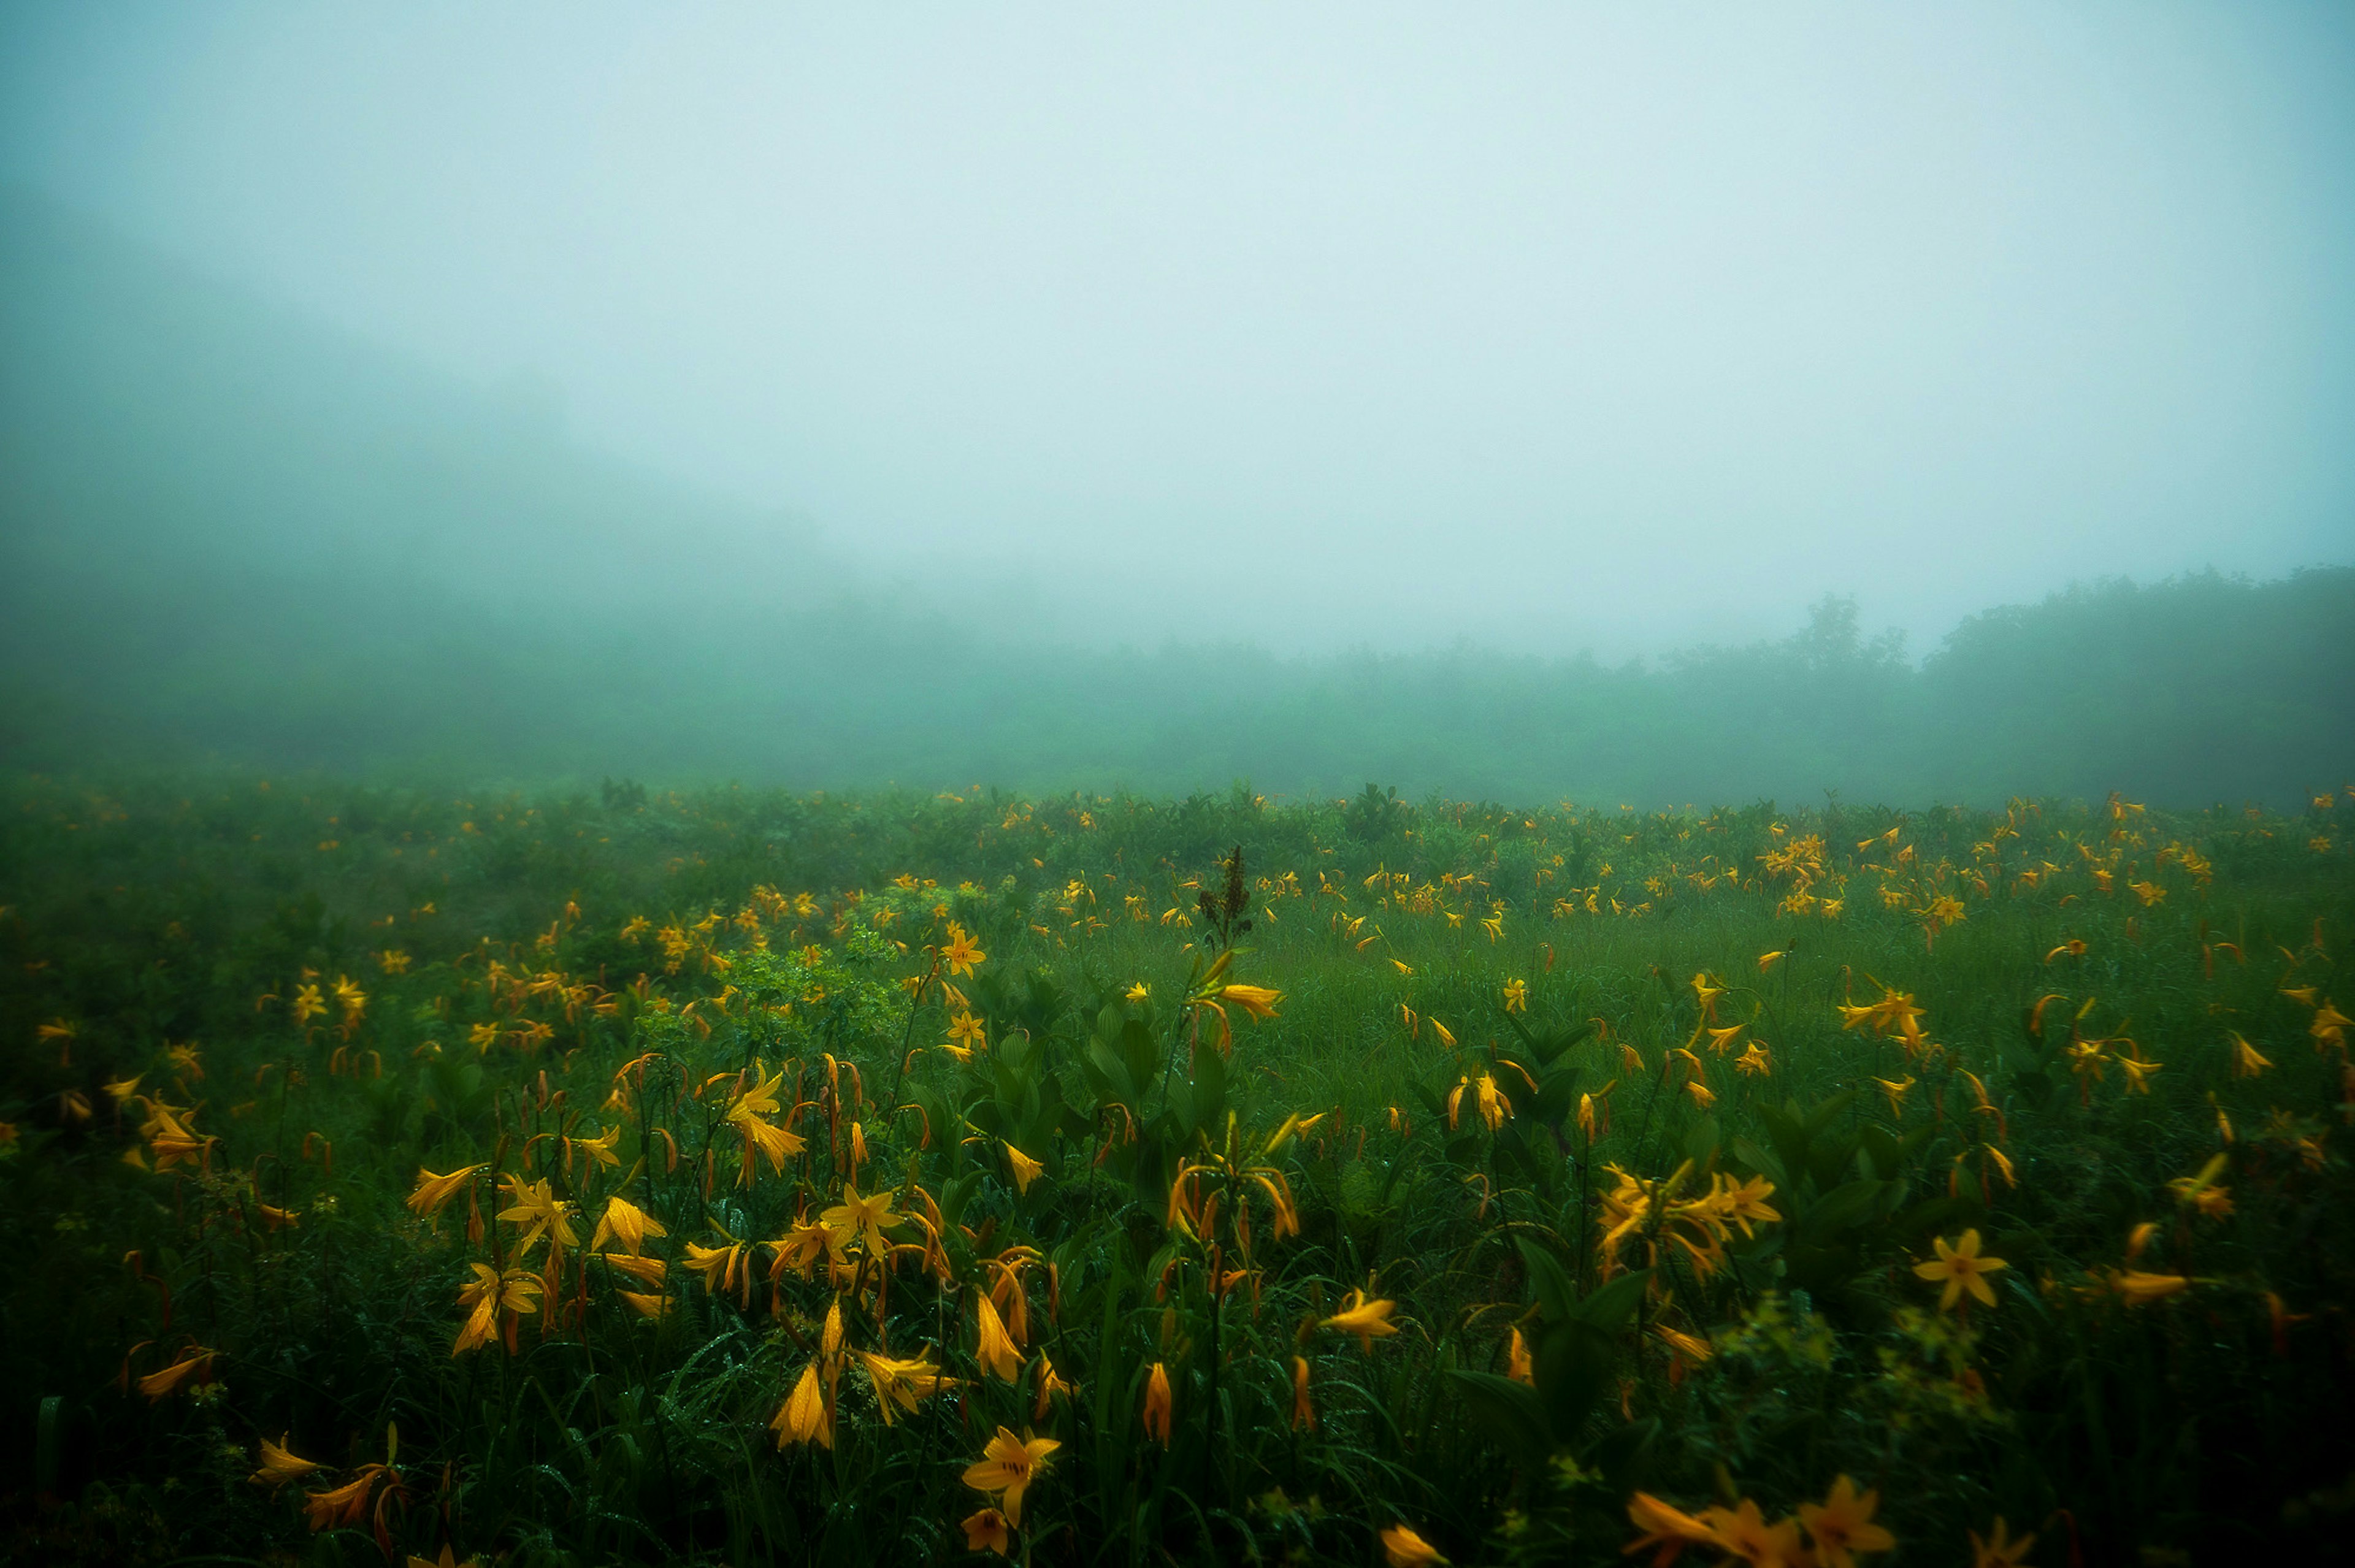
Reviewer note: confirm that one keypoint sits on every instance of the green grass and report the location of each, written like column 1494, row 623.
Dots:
column 145, row 913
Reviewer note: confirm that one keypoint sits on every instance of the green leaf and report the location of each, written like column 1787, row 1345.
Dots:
column 1510, row 1414
column 1614, row 1307
column 1842, row 1209
column 1550, row 1286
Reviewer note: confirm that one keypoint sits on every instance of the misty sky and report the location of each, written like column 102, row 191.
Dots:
column 1613, row 327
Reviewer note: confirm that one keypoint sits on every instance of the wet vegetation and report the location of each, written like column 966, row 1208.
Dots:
column 743, row 1176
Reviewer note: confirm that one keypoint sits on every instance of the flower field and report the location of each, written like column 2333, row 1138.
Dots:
column 735, row 1177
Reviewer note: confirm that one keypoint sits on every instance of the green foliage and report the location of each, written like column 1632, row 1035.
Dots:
column 1501, row 1094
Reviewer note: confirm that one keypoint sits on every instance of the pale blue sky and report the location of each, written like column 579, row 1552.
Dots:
column 1548, row 325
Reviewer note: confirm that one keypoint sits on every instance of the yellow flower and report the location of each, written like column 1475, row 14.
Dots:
column 723, row 1268
column 1007, row 1466
column 995, row 1348
column 196, row 1367
column 1962, row 1268
column 343, row 1505
column 1516, row 997
column 1259, row 1001
column 1683, row 1344
column 644, row 1270
column 1998, row 1551
column 1405, row 1549
column 2201, row 1192
column 281, row 1465
column 902, row 1382
column 496, row 1299
column 1157, row 1405
column 1744, row 1531
column 1491, row 1102
column 447, row 1560
column 1304, row 1409
column 864, row 1218
column 539, row 1212
column 2140, row 1289
column 1026, row 1170
column 1768, row 960
column 1051, row 1388
column 748, row 1113
column 806, row 1415
column 2247, row 1062
column 962, row 951
column 626, row 1223
column 1139, row 992
column 1669, row 1529
column 1368, row 1320
column 434, row 1192
column 1842, row 1524
column 986, row 1529
column 801, row 1246
column 600, row 1148
column 1518, row 1366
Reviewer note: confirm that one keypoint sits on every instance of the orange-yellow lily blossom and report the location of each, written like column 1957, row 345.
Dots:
column 1403, row 1548
column 1744, row 1531
column 196, row 1367
column 449, row 1559
column 994, row 1350
column 962, row 951
column 645, row 1270
column 627, row 1223
column 1961, row 1268
column 1051, row 1388
column 280, row 1464
column 539, row 1212
column 498, row 1301
column 1158, row 1406
column 1998, row 1551
column 1026, row 1170
column 2201, row 1191
column 805, row 1415
column 1368, row 1320
column 1304, row 1409
column 1259, row 1001
column 1841, row 1525
column 902, row 1382
column 1490, row 1100
column 1007, row 1466
column 344, row 1505
column 1669, row 1529
column 864, row 1218
column 2140, row 1289
column 986, row 1529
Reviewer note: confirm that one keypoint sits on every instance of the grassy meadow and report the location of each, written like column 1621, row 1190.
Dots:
column 741, row 1176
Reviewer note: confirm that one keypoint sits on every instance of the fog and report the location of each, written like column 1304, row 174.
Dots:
column 1612, row 328
column 1690, row 403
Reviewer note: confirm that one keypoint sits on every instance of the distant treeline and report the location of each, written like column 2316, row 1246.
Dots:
column 2196, row 690
column 226, row 536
